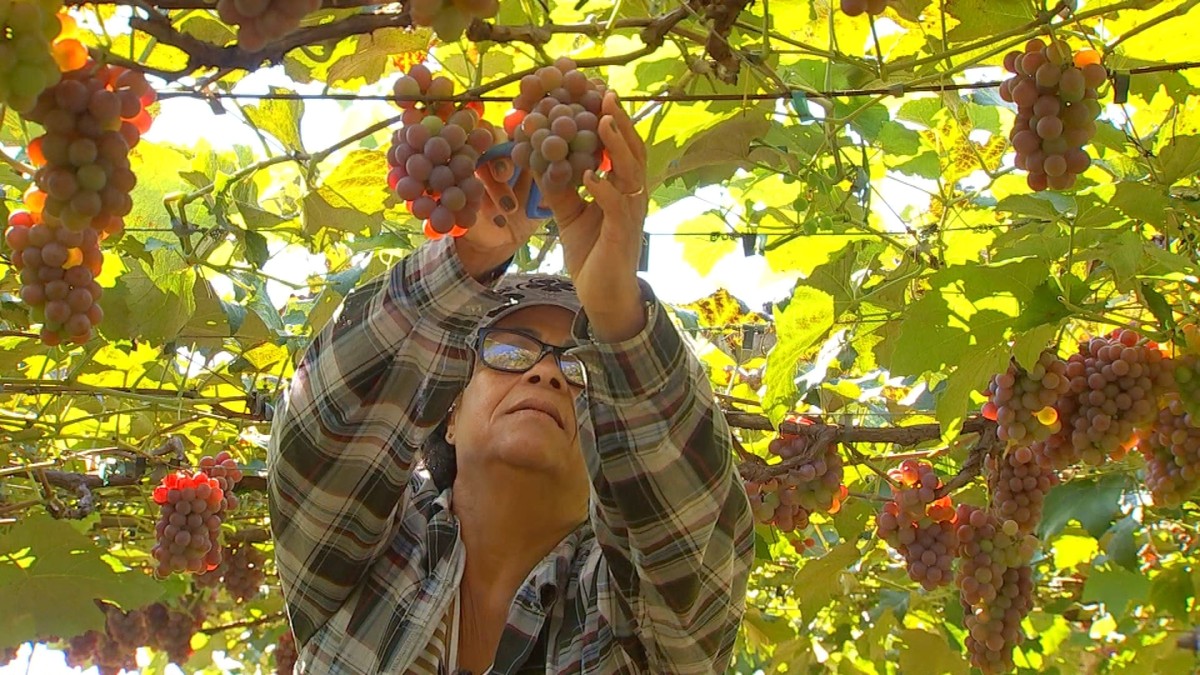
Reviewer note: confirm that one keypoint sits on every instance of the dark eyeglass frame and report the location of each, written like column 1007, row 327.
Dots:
column 544, row 348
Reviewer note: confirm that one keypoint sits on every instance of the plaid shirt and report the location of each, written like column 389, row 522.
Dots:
column 369, row 554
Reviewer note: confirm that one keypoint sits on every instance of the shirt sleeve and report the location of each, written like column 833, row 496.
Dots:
column 671, row 515
column 366, row 394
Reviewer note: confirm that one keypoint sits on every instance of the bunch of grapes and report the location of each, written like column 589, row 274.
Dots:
column 1115, row 385
column 919, row 524
column 812, row 484
column 92, row 118
column 433, row 155
column 263, row 21
column 449, row 18
column 994, row 583
column 554, row 123
column 171, row 630
column 285, row 654
column 1055, row 92
column 224, row 469
column 1187, row 380
column 241, row 571
column 1018, row 486
column 994, row 626
column 57, row 268
column 858, row 7
column 817, row 480
column 27, row 29
column 113, row 649
column 189, row 523
column 1022, row 402
column 1171, row 448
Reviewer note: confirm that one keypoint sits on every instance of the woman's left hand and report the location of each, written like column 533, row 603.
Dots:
column 602, row 237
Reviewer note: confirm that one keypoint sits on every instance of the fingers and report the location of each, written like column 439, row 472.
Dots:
column 565, row 204
column 623, row 206
column 612, row 107
column 496, row 189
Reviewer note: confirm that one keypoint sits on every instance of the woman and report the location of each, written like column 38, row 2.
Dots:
column 583, row 515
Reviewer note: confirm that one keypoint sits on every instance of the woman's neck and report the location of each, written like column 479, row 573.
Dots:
column 507, row 526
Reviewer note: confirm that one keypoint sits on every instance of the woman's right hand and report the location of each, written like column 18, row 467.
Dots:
column 502, row 226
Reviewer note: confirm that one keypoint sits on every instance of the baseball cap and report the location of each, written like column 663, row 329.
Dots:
column 529, row 290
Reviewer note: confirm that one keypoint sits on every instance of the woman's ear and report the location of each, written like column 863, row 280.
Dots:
column 452, row 422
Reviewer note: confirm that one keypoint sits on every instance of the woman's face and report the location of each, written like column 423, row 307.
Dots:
column 523, row 420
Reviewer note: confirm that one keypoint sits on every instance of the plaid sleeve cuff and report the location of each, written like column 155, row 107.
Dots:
column 639, row 367
column 435, row 284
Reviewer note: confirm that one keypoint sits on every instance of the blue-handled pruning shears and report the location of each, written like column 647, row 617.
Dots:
column 533, row 207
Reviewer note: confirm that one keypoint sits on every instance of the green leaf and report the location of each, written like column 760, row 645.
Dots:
column 1041, row 207
column 325, row 208
column 1092, row 501
column 151, row 302
column 1158, row 306
column 806, row 318
column 1171, row 590
column 50, row 575
column 967, row 305
column 985, row 18
column 280, row 118
column 256, row 249
column 925, row 165
column 371, row 58
column 816, row 583
column 1146, row 202
column 1179, row 159
column 927, row 652
column 1122, row 547
column 359, row 180
column 978, row 366
column 1117, row 588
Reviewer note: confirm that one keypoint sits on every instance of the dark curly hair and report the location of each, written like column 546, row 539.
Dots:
column 440, row 457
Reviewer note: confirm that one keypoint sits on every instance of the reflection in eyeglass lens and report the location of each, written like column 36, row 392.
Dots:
column 507, row 351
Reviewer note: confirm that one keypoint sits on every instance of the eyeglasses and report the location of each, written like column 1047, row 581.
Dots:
column 513, row 351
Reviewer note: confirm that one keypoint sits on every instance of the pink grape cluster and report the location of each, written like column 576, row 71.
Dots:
column 919, row 524
column 1116, row 382
column 262, row 21
column 189, row 523
column 995, row 585
column 1018, row 486
column 433, row 155
column 555, row 123
column 814, row 484
column 1171, row 448
column 1021, row 402
column 1056, row 96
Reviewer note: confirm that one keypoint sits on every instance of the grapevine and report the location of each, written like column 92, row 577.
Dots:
column 1021, row 402
column 554, row 123
column 263, row 21
column 433, row 155
column 919, row 524
column 1056, row 96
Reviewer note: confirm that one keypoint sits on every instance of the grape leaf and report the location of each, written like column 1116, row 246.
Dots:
column 816, row 582
column 1171, row 590
column 50, row 575
column 806, row 318
column 280, row 118
column 1117, row 588
column 1093, row 502
column 928, row 652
